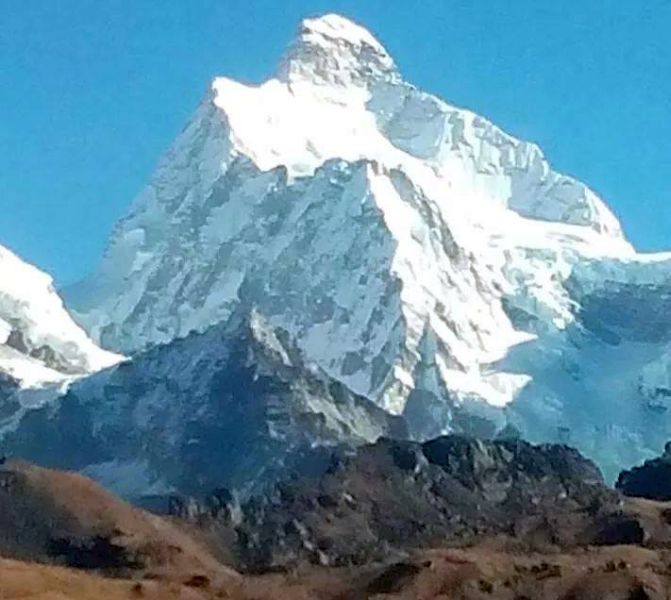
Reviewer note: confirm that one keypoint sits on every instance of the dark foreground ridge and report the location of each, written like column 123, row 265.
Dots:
column 394, row 496
column 454, row 517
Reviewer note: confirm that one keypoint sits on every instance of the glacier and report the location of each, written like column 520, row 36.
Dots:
column 412, row 251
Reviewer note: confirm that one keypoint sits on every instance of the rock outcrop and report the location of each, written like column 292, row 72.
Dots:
column 393, row 496
column 651, row 480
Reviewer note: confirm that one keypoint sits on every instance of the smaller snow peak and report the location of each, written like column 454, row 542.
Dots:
column 332, row 50
column 40, row 344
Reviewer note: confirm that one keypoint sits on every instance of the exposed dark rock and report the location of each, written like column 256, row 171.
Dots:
column 651, row 480
column 98, row 552
column 198, row 581
column 46, row 354
column 394, row 496
column 219, row 504
column 620, row 529
column 8, row 404
column 393, row 578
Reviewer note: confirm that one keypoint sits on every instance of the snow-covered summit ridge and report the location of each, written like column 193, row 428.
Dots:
column 338, row 95
column 39, row 342
column 334, row 29
column 331, row 50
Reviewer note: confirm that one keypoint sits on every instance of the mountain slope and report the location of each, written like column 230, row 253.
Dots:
column 453, row 517
column 411, row 249
column 63, row 518
column 234, row 406
column 40, row 344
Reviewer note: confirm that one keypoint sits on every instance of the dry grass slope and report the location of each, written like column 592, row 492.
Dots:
column 486, row 572
column 64, row 518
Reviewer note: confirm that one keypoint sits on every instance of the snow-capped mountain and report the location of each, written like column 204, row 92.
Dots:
column 40, row 344
column 411, row 249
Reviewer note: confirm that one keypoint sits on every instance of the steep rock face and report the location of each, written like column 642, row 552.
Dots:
column 411, row 249
column 235, row 406
column 40, row 345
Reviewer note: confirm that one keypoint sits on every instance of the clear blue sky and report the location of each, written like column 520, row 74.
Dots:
column 92, row 92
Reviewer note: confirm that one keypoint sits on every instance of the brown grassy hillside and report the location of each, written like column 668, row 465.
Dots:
column 66, row 519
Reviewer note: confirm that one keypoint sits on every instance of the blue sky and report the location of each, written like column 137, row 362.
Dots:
column 92, row 93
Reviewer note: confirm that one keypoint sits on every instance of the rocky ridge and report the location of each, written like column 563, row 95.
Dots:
column 451, row 518
column 235, row 406
column 394, row 496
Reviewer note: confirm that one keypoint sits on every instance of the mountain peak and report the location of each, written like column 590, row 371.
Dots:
column 336, row 27
column 412, row 250
column 331, row 49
